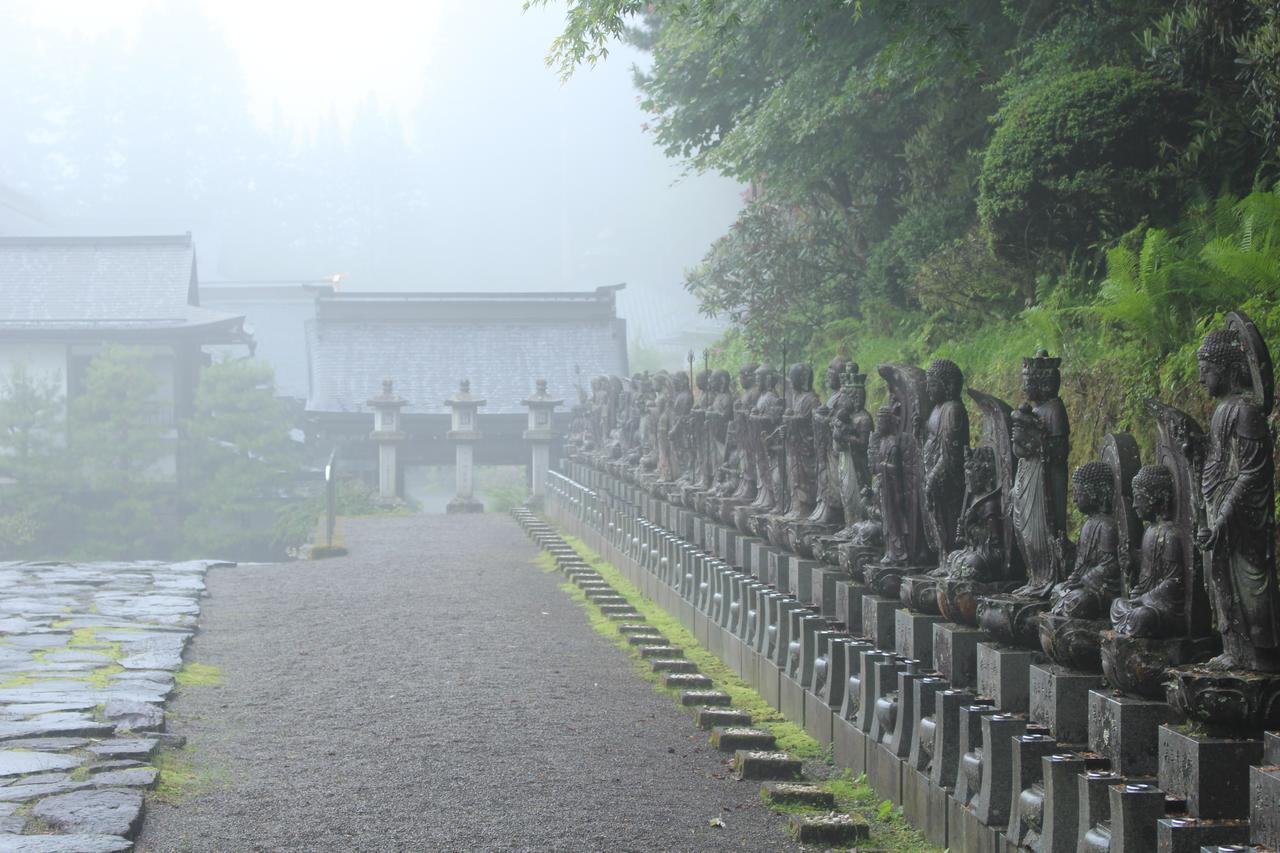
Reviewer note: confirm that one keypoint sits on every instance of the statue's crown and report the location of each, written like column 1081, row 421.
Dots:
column 1041, row 361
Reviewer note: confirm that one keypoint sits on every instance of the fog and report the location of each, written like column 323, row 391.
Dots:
column 405, row 146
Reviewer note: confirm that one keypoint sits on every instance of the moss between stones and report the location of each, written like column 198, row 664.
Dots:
column 889, row 831
column 198, row 675
column 180, row 777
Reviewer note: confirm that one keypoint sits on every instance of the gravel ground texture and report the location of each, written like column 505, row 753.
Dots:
column 434, row 691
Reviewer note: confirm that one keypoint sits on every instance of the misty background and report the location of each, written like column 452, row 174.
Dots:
column 403, row 146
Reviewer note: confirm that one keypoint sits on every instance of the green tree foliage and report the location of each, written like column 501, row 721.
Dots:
column 239, row 464
column 32, row 458
column 122, row 438
column 918, row 168
column 1081, row 161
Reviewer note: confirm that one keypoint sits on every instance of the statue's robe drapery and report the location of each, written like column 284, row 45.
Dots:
column 1095, row 580
column 1155, row 605
column 1238, row 487
column 946, row 439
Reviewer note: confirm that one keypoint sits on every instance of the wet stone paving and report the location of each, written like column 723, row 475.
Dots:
column 88, row 654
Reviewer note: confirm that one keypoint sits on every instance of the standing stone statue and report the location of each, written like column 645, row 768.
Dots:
column 764, row 419
column 662, row 422
column 721, row 460
column 891, row 483
column 946, row 439
column 1014, row 617
column 1238, row 492
column 743, row 443
column 801, row 458
column 851, row 429
column 830, row 507
column 680, row 432
column 902, row 502
column 1041, row 380
column 1235, row 536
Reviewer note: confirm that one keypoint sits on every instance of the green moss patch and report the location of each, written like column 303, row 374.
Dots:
column 198, row 675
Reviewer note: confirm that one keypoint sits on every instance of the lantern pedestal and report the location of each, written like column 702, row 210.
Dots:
column 539, row 435
column 464, row 434
column 386, row 431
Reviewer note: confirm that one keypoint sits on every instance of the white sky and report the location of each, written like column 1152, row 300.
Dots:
column 309, row 54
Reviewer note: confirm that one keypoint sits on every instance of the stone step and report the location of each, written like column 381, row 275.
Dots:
column 624, row 614
column 709, row 718
column 610, row 608
column 757, row 764
column 657, row 651
column 714, row 698
column 688, row 681
column 647, row 640
column 673, row 665
column 798, row 794
column 734, row 738
column 607, row 599
column 829, row 829
column 638, row 628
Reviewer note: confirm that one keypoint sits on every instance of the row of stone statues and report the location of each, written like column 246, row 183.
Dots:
column 1170, row 586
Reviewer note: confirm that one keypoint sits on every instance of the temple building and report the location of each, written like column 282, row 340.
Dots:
column 426, row 343
column 62, row 299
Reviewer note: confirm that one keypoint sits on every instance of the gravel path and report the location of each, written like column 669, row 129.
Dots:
column 434, row 691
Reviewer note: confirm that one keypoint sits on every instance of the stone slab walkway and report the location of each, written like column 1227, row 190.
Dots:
column 434, row 691
column 88, row 654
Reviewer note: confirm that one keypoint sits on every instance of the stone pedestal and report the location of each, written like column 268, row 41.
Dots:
column 1126, row 730
column 464, row 501
column 1264, row 806
column 878, row 621
column 1004, row 674
column 849, row 606
column 1060, row 824
column 1060, row 701
column 823, row 581
column 799, row 575
column 913, row 636
column 955, row 652
column 1026, row 805
column 1210, row 773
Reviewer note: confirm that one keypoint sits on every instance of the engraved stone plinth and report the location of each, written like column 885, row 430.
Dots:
column 1060, row 701
column 878, row 621
column 1004, row 674
column 913, row 636
column 849, row 606
column 1210, row 773
column 955, row 652
column 1126, row 730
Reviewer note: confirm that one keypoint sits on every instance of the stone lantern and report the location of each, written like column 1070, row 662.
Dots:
column 465, row 432
column 539, row 435
column 386, row 431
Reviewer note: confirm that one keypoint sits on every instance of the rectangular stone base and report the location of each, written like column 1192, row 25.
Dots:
column 823, row 579
column 1210, row 773
column 792, row 701
column 849, row 606
column 878, row 624
column 966, row 833
column 800, row 578
column 913, row 636
column 884, row 772
column 818, row 719
column 1060, row 700
column 1126, row 730
column 955, row 653
column 769, row 682
column 925, row 806
column 849, row 746
column 1004, row 674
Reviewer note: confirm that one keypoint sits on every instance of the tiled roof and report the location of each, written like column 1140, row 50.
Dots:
column 426, row 360
column 98, row 282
